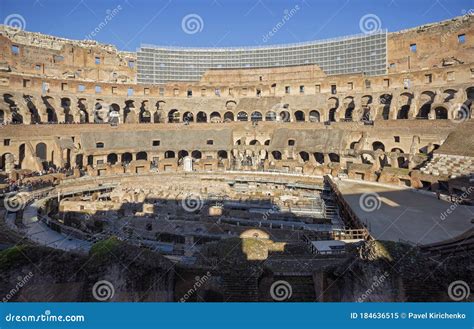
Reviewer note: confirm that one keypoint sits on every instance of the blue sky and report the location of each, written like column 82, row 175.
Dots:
column 220, row 22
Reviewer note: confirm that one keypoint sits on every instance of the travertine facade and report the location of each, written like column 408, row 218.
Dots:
column 381, row 128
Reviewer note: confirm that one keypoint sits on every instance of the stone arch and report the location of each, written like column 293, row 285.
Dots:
column 256, row 116
column 299, row 116
column 377, row 145
column 385, row 101
column 350, row 106
column 7, row 161
column 215, row 117
column 319, row 157
column 142, row 155
column 169, row 154
column 276, row 155
column 173, row 116
column 270, row 116
column 334, row 157
column 127, row 157
column 228, row 116
column 144, row 115
column 196, row 154
column 441, row 113
column 314, row 116
column 188, row 117
column 254, row 142
column 112, row 158
column 222, row 154
column 182, row 154
column 284, row 116
column 403, row 112
column 201, row 117
column 426, row 99
column 242, row 116
column 304, row 156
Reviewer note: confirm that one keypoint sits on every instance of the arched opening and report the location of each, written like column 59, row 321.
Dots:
column 196, row 154
column 52, row 118
column 7, row 159
column 142, row 156
column 254, row 142
column 276, row 155
column 201, row 117
column 242, row 116
column 173, row 116
column 228, row 117
column 319, row 157
column 403, row 112
column 222, row 154
column 314, row 116
column 378, row 146
column 90, row 160
column 21, row 153
column 353, row 145
column 334, row 157
column 332, row 115
column 35, row 117
column 386, row 100
column 267, row 142
column 215, row 117
column 169, row 155
column 112, row 158
column 188, row 117
column 126, row 157
column 2, row 116
column 424, row 111
column 285, row 116
column 348, row 113
column 441, row 113
column 299, row 116
column 270, row 116
column 114, row 113
column 182, row 154
column 66, row 105
column 145, row 116
column 256, row 116
column 41, row 152
column 79, row 160
column 304, row 156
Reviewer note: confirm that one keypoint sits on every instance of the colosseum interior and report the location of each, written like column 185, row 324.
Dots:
column 241, row 178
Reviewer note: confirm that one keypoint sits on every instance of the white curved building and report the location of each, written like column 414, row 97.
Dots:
column 365, row 53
